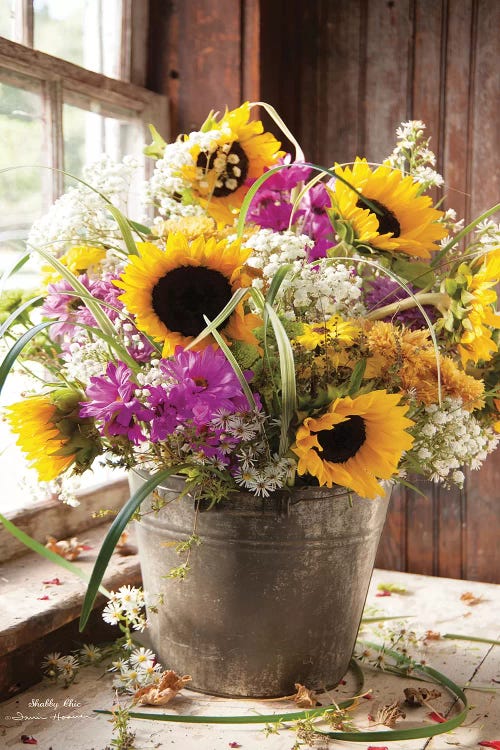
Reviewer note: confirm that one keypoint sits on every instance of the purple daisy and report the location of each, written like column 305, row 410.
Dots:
column 202, row 382
column 112, row 400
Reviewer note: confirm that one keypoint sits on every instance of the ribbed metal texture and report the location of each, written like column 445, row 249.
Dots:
column 275, row 592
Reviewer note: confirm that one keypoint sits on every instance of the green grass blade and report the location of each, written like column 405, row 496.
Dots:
column 15, row 351
column 124, row 226
column 221, row 317
column 386, row 735
column 299, row 154
column 115, row 531
column 16, row 266
column 40, row 549
column 288, row 382
column 463, row 233
column 457, row 637
column 92, row 305
column 17, row 312
column 234, row 364
column 251, row 193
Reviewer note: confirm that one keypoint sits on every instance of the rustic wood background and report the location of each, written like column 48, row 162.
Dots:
column 343, row 74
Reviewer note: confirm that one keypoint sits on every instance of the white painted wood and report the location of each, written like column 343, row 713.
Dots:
column 433, row 603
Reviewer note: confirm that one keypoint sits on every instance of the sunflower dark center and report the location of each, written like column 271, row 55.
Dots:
column 183, row 296
column 343, row 441
column 387, row 221
column 231, row 167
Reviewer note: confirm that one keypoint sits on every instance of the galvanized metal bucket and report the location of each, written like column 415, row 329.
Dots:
column 275, row 591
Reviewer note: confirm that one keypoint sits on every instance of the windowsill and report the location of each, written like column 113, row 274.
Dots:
column 52, row 518
column 28, row 619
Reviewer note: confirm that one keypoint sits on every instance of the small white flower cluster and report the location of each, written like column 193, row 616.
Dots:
column 332, row 288
column 167, row 185
column 412, row 154
column 86, row 359
column 451, row 437
column 126, row 606
column 139, row 670
column 487, row 235
column 58, row 667
column 262, row 481
column 313, row 291
column 271, row 250
column 81, row 215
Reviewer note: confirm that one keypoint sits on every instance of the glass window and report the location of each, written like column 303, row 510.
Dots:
column 22, row 188
column 85, row 32
column 88, row 134
column 7, row 18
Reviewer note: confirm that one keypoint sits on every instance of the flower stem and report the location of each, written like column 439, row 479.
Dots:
column 438, row 299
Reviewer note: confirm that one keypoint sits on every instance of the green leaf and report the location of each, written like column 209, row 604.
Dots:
column 234, row 364
column 357, row 377
column 115, row 531
column 92, row 305
column 39, row 548
column 418, row 273
column 156, row 148
column 221, row 317
column 15, row 351
column 288, row 382
column 140, row 228
column 17, row 312
column 10, row 271
column 124, row 226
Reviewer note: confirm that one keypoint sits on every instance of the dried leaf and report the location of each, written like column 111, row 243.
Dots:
column 471, row 599
column 420, row 696
column 123, row 547
column 163, row 692
column 70, row 549
column 432, row 635
column 305, row 698
column 389, row 715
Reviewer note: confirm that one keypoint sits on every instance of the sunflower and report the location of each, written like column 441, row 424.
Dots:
column 34, row 420
column 170, row 291
column 355, row 442
column 406, row 221
column 238, row 154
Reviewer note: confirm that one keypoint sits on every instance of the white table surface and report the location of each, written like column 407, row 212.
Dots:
column 433, row 604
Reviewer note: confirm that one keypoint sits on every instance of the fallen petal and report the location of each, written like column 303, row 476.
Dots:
column 43, row 598
column 26, row 740
column 383, row 593
column 53, row 582
column 490, row 743
column 436, row 717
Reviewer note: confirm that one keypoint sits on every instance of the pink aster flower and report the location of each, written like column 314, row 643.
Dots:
column 202, row 382
column 113, row 403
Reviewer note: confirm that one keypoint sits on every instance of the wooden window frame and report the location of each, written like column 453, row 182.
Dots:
column 59, row 81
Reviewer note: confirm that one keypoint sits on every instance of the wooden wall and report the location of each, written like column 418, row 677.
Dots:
column 343, row 74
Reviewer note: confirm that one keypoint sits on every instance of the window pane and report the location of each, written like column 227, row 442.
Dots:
column 21, row 190
column 88, row 135
column 7, row 19
column 85, row 32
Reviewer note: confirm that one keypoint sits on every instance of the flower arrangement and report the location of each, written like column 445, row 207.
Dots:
column 273, row 324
